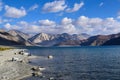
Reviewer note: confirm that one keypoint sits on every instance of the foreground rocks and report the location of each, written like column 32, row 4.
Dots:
column 11, row 69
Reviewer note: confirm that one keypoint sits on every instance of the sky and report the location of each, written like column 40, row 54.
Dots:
column 61, row 16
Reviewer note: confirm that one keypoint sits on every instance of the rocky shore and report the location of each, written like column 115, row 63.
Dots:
column 11, row 69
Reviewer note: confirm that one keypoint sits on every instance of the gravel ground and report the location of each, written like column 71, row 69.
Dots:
column 14, row 70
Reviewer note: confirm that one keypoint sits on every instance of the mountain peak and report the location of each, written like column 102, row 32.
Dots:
column 15, row 37
column 40, row 37
column 19, row 33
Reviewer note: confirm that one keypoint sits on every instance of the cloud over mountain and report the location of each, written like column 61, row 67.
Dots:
column 46, row 22
column 83, row 24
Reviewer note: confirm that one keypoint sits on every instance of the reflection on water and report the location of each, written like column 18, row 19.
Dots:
column 75, row 63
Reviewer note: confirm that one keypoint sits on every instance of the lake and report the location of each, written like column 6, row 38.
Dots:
column 78, row 63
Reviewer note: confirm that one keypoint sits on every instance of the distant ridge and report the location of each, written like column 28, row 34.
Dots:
column 100, row 40
column 15, row 37
column 57, row 39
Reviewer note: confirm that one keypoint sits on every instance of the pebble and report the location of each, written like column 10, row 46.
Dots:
column 51, row 78
column 50, row 57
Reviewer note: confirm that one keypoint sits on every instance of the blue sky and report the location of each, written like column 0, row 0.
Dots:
column 61, row 16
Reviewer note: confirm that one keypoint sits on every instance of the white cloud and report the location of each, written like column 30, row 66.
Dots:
column 55, row 6
column 46, row 22
column 7, row 26
column 48, row 26
column 66, row 21
column 76, row 7
column 23, row 23
column 101, row 4
column 35, row 6
column 83, row 24
column 2, row 21
column 97, row 25
column 69, row 28
column 14, row 12
column 118, row 17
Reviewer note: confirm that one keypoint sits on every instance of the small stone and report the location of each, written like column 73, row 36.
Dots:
column 51, row 78
column 38, row 74
column 50, row 57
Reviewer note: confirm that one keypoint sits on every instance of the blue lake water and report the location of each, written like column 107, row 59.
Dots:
column 78, row 63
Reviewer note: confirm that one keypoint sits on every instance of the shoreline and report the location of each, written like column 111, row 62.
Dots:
column 21, row 78
column 15, row 70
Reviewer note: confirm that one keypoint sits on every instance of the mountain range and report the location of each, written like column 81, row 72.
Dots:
column 15, row 38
